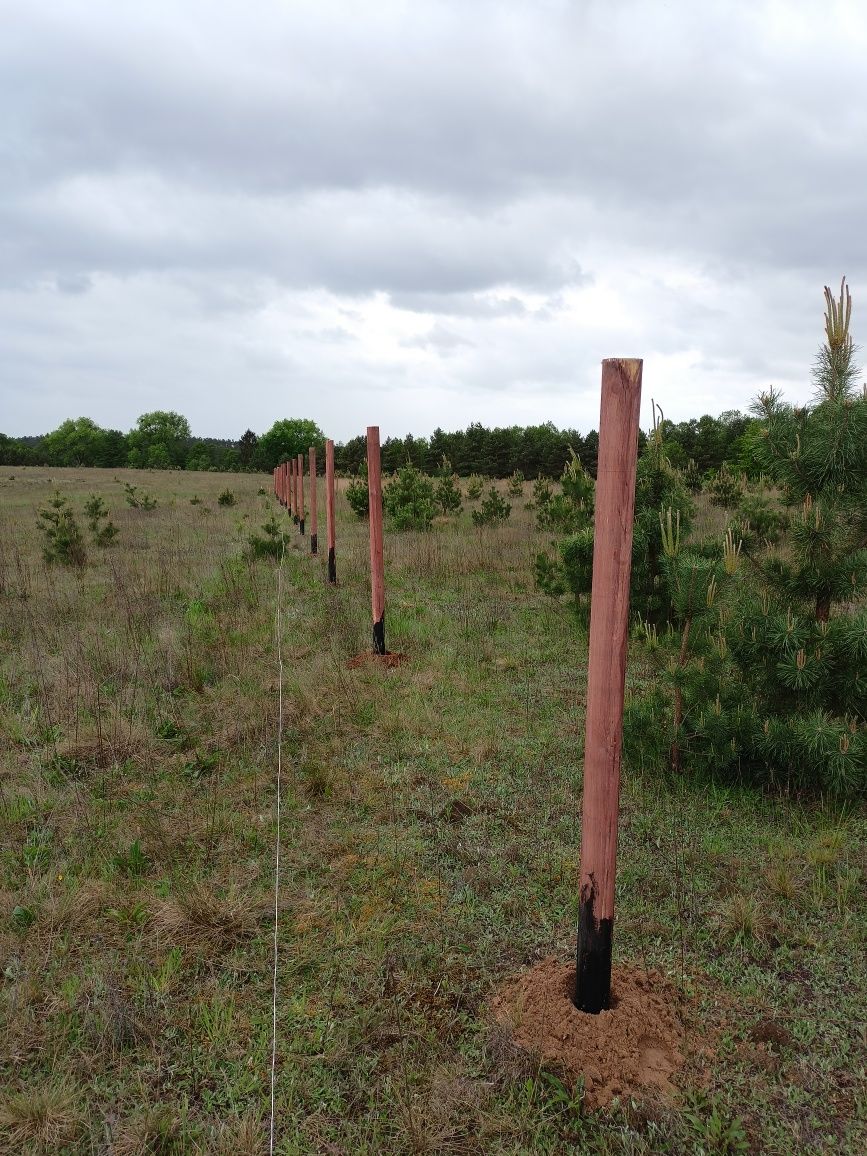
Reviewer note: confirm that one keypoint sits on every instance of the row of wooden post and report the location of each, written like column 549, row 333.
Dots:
column 606, row 667
column 289, row 490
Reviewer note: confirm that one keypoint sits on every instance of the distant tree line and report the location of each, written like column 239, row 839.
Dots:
column 163, row 440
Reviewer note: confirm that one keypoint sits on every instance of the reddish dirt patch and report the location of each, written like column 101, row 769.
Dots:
column 380, row 660
column 634, row 1047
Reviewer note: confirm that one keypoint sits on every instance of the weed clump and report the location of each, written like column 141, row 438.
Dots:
column 227, row 498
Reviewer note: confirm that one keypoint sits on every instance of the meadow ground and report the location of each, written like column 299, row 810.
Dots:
column 430, row 835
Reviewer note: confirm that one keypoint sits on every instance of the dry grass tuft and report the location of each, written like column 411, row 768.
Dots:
column 783, row 880
column 202, row 920
column 742, row 919
column 158, row 1131
column 45, row 1117
column 76, row 910
column 246, row 1136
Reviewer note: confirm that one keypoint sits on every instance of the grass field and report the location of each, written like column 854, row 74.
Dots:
column 430, row 842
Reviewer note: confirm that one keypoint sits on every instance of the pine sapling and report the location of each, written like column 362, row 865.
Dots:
column 62, row 538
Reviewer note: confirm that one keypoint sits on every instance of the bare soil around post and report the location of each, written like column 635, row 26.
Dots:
column 631, row 1050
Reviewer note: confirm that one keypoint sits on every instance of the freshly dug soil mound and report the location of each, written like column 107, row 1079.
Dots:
column 390, row 659
column 633, row 1048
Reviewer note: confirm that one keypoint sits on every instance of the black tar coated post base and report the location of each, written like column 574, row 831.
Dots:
column 593, row 971
column 379, row 637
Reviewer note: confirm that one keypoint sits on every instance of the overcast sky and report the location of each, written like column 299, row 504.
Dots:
column 419, row 214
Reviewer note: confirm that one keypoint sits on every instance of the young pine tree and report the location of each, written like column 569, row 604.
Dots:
column 767, row 679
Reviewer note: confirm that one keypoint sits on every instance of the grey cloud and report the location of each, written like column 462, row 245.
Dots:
column 439, row 338
column 74, row 283
column 459, row 304
column 172, row 174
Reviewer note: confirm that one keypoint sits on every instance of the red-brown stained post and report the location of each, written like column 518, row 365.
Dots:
column 314, row 539
column 329, row 509
column 606, row 676
column 377, row 578
column 301, row 492
column 293, row 467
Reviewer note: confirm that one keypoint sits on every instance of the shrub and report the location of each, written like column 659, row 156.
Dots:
column 692, row 477
column 725, row 489
column 494, row 511
column 658, row 490
column 268, row 544
column 96, row 511
column 475, row 485
column 227, row 498
column 542, row 493
column 549, row 575
column 358, row 496
column 761, row 667
column 447, row 494
column 62, row 538
column 408, row 500
column 758, row 523
column 138, row 499
column 569, row 511
column 516, row 484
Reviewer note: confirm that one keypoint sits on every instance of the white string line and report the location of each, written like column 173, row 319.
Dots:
column 277, row 840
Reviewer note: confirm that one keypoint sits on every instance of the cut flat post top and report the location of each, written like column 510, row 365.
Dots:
column 606, row 675
column 377, row 579
column 329, row 508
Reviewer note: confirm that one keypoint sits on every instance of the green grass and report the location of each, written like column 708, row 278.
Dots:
column 430, row 849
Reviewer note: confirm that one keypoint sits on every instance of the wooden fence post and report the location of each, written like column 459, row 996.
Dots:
column 301, row 492
column 329, row 509
column 606, row 676
column 377, row 579
column 314, row 538
column 290, row 488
